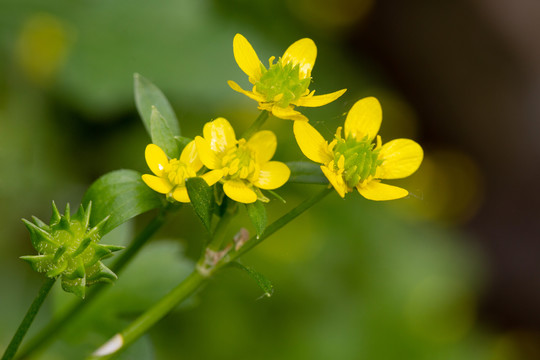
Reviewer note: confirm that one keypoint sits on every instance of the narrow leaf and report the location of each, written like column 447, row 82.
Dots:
column 202, row 199
column 260, row 279
column 181, row 142
column 257, row 214
column 304, row 172
column 162, row 135
column 147, row 95
column 121, row 194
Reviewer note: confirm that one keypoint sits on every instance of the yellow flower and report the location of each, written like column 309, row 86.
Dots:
column 244, row 165
column 171, row 174
column 285, row 83
column 355, row 161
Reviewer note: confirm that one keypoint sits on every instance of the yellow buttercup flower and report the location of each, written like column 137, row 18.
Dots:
column 285, row 83
column 355, row 161
column 171, row 174
column 245, row 165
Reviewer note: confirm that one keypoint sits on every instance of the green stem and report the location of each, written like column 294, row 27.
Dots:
column 278, row 224
column 219, row 232
column 28, row 319
column 261, row 119
column 57, row 325
column 140, row 326
column 193, row 282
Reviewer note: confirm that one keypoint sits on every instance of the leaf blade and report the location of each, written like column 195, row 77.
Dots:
column 202, row 198
column 121, row 194
column 147, row 95
column 303, row 172
column 258, row 216
column 162, row 135
column 261, row 280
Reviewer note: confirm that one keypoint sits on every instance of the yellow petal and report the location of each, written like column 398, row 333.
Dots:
column 239, row 191
column 273, row 174
column 181, row 194
column 264, row 144
column 156, row 159
column 287, row 113
column 212, row 177
column 250, row 94
column 311, row 143
column 364, row 119
column 207, row 156
column 159, row 184
column 190, row 156
column 375, row 190
column 401, row 158
column 319, row 100
column 220, row 135
column 303, row 52
column 246, row 57
column 336, row 180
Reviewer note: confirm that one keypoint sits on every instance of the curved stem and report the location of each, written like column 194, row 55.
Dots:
column 278, row 224
column 56, row 325
column 261, row 119
column 121, row 341
column 28, row 319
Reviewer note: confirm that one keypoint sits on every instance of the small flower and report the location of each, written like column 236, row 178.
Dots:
column 354, row 161
column 69, row 248
column 245, row 165
column 171, row 174
column 285, row 83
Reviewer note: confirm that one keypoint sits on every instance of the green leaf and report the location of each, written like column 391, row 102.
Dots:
column 257, row 214
column 162, row 135
column 304, row 172
column 121, row 194
column 202, row 199
column 260, row 279
column 181, row 142
column 147, row 95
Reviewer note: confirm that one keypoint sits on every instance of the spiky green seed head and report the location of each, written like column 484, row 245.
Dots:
column 68, row 247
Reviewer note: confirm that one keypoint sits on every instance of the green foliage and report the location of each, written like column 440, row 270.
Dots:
column 265, row 284
column 162, row 135
column 121, row 195
column 202, row 199
column 257, row 214
column 306, row 173
column 147, row 96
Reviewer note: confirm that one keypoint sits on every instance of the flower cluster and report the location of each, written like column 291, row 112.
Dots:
column 354, row 159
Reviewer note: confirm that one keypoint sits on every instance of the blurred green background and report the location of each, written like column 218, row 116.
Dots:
column 449, row 273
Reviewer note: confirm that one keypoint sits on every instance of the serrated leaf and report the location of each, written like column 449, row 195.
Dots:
column 304, row 172
column 121, row 194
column 147, row 95
column 257, row 214
column 260, row 279
column 202, row 198
column 162, row 135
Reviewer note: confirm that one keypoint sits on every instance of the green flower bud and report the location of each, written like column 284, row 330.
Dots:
column 69, row 248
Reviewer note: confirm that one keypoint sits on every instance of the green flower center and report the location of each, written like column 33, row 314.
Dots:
column 282, row 83
column 240, row 162
column 177, row 172
column 358, row 160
